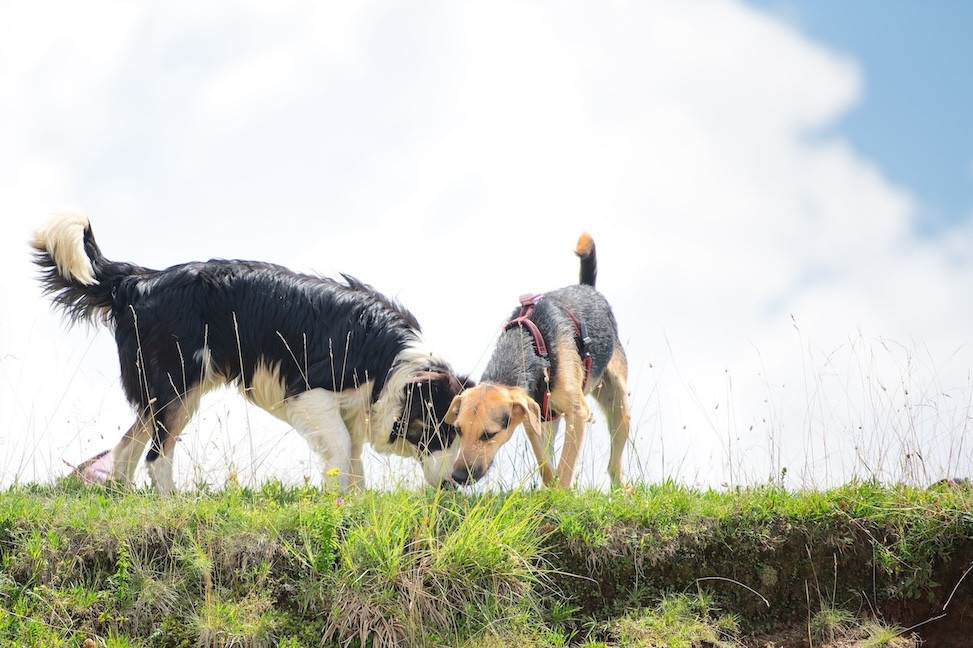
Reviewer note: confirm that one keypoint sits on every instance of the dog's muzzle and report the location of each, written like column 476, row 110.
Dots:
column 464, row 474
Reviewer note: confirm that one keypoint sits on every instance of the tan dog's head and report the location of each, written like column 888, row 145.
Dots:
column 485, row 418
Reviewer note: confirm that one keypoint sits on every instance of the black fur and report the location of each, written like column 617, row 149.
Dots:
column 427, row 400
column 588, row 272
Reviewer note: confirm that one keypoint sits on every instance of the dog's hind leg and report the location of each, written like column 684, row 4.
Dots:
column 165, row 385
column 316, row 415
column 128, row 451
column 550, row 429
column 575, row 422
column 612, row 397
column 160, row 468
column 171, row 420
column 567, row 397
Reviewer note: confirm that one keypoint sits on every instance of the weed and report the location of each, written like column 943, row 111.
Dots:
column 830, row 624
column 880, row 635
column 245, row 622
column 677, row 621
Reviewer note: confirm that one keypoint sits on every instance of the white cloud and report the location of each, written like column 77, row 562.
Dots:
column 451, row 155
column 255, row 85
column 57, row 59
column 299, row 49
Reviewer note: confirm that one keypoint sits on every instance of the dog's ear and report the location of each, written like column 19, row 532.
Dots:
column 528, row 411
column 453, row 413
column 464, row 382
column 454, row 383
column 426, row 376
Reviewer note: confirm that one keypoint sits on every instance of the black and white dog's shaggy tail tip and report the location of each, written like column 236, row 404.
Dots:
column 62, row 241
column 73, row 269
column 589, row 265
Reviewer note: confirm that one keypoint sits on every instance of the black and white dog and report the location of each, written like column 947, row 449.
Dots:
column 337, row 360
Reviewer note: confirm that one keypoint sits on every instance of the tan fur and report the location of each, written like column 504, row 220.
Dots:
column 612, row 396
column 480, row 410
column 585, row 244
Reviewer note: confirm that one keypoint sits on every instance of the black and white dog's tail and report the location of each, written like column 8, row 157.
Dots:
column 589, row 265
column 74, row 271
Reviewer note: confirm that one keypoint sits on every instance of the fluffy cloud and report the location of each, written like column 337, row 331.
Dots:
column 778, row 309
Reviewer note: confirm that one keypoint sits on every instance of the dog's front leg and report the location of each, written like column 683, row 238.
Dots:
column 527, row 411
column 356, row 469
column 539, row 443
column 316, row 415
column 575, row 421
column 550, row 429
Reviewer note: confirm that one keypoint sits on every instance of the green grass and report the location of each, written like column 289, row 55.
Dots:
column 657, row 565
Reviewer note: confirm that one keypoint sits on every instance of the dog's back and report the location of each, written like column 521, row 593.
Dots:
column 592, row 310
column 554, row 310
column 321, row 332
column 221, row 319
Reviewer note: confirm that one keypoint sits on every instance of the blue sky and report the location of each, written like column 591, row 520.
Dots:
column 914, row 116
column 780, row 194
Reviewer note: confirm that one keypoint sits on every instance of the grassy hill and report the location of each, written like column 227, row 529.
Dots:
column 659, row 565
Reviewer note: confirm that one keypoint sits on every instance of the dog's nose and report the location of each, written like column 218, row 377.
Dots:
column 465, row 474
column 462, row 475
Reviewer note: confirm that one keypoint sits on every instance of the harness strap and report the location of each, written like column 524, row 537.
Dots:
column 584, row 342
column 523, row 319
column 584, row 345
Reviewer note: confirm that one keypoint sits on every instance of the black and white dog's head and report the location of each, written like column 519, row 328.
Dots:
column 428, row 395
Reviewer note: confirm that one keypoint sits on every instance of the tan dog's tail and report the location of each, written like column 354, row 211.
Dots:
column 589, row 266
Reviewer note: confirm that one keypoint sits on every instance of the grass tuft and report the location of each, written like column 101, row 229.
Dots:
column 412, row 564
column 677, row 621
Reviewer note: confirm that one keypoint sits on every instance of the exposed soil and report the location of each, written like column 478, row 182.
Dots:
column 795, row 569
column 936, row 627
column 927, row 622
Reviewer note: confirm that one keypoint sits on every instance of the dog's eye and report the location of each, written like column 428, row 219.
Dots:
column 487, row 436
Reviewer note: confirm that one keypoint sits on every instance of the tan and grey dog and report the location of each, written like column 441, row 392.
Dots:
column 555, row 349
